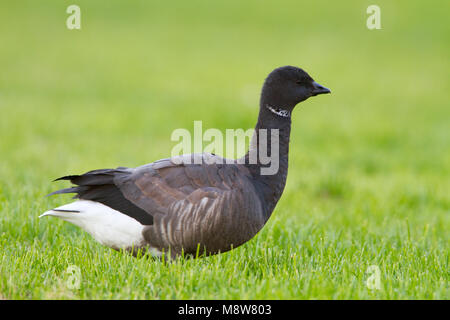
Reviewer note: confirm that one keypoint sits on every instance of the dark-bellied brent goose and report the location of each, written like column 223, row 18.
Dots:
column 205, row 206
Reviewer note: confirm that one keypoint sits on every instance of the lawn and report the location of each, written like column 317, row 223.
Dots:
column 368, row 190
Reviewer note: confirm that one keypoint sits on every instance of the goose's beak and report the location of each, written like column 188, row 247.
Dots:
column 319, row 89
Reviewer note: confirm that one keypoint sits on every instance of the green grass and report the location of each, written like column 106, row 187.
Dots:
column 369, row 174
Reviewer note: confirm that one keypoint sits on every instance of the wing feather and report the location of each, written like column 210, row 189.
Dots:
column 182, row 203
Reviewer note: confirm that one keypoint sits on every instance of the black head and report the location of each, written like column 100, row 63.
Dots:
column 286, row 86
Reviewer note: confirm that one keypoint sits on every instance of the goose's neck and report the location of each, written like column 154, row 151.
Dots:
column 270, row 179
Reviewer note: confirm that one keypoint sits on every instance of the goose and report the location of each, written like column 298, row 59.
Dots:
column 196, row 204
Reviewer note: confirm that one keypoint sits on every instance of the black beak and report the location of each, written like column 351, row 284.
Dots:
column 319, row 89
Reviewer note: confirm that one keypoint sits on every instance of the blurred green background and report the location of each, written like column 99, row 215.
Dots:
column 369, row 180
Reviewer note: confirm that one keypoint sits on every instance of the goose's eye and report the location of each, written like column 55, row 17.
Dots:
column 299, row 81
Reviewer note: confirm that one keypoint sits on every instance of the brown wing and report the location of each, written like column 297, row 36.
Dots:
column 211, row 204
column 185, row 202
column 99, row 186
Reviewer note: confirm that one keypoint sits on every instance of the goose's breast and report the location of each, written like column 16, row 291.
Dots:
column 215, row 222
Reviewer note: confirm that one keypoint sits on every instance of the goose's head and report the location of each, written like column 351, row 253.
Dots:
column 286, row 86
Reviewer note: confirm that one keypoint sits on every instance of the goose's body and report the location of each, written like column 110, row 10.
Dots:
column 194, row 203
column 180, row 204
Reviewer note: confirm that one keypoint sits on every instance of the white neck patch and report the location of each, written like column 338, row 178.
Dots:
column 279, row 112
